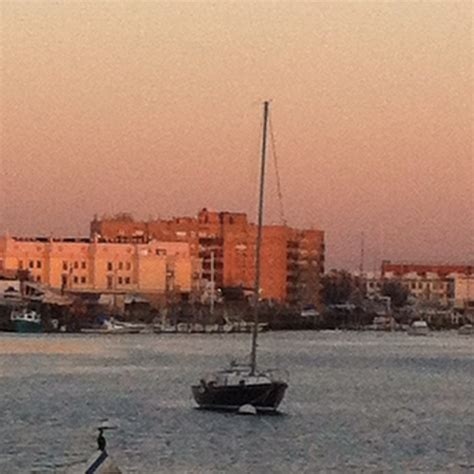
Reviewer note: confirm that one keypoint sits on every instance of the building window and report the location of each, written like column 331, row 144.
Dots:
column 63, row 281
column 120, row 266
column 109, row 282
column 76, row 279
column 38, row 263
column 38, row 278
column 83, row 279
column 83, row 265
column 128, row 265
column 31, row 264
column 160, row 252
column 127, row 280
column 120, row 280
column 64, row 265
column 110, row 267
column 76, row 264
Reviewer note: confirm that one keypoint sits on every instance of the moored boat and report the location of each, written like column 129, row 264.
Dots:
column 237, row 386
column 246, row 386
column 111, row 326
column 466, row 330
column 419, row 328
column 26, row 321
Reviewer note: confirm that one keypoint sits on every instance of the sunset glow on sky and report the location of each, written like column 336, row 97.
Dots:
column 155, row 108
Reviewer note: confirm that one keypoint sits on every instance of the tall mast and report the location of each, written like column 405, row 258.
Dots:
column 253, row 354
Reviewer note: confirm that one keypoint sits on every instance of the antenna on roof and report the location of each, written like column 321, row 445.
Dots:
column 362, row 253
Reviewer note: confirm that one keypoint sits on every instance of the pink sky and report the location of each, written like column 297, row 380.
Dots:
column 155, row 108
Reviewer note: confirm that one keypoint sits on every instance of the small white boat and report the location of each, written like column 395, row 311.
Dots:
column 111, row 326
column 132, row 327
column 419, row 328
column 309, row 311
column 466, row 330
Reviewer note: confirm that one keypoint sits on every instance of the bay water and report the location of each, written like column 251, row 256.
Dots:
column 357, row 402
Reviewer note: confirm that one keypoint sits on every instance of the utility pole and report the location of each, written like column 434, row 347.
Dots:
column 211, row 308
column 468, row 292
column 362, row 251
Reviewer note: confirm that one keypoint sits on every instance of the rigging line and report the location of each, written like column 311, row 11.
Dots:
column 279, row 193
column 277, row 172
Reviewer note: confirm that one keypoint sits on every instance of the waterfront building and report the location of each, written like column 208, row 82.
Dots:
column 94, row 265
column 10, row 285
column 372, row 282
column 444, row 285
column 464, row 292
column 292, row 259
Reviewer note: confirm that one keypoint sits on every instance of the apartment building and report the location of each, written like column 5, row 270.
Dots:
column 464, row 292
column 444, row 284
column 400, row 269
column 100, row 266
column 292, row 259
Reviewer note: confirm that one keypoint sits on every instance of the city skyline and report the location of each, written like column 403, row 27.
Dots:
column 154, row 109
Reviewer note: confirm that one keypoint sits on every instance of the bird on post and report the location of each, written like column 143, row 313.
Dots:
column 101, row 440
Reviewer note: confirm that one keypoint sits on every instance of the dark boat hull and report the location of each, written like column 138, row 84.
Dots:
column 27, row 326
column 264, row 397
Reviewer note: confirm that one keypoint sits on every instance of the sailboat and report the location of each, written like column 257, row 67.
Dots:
column 246, row 388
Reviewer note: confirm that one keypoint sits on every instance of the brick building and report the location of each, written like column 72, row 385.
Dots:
column 292, row 259
column 400, row 269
